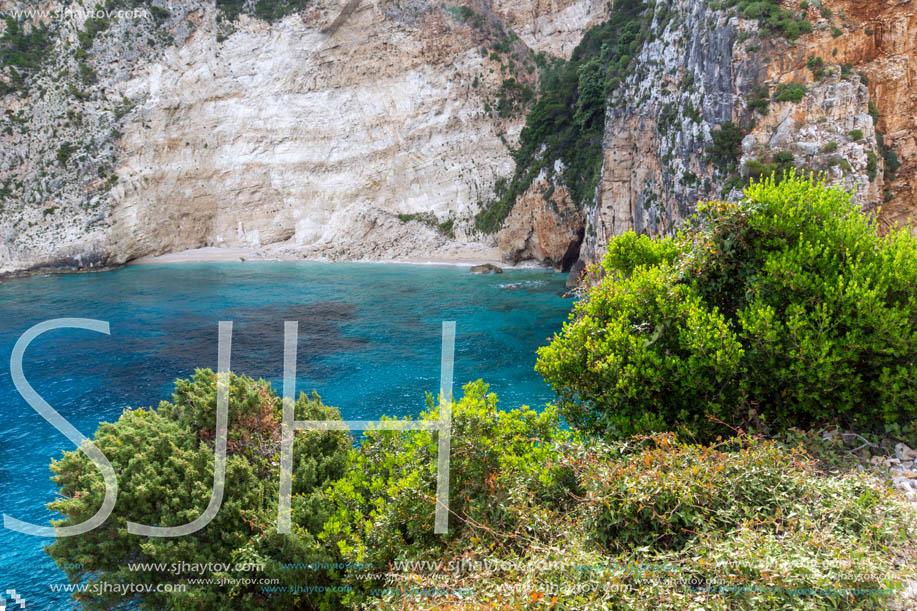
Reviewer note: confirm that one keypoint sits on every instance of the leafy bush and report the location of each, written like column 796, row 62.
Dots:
column 559, row 512
column 727, row 146
column 872, row 165
column 892, row 164
column 788, row 309
column 873, row 109
column 790, row 92
column 830, row 147
column 542, row 505
column 817, row 66
column 771, row 17
column 855, row 134
column 760, row 99
column 164, row 461
column 64, row 152
column 21, row 52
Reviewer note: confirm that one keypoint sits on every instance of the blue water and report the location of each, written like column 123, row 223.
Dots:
column 369, row 343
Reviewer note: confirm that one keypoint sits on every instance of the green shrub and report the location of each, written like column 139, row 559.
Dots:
column 22, row 53
column 892, row 164
column 790, row 92
column 727, row 146
column 760, row 99
column 164, row 461
column 873, row 109
column 64, row 152
column 500, row 464
column 830, row 147
column 855, row 134
column 650, row 514
column 788, row 309
column 817, row 66
column 771, row 17
column 872, row 165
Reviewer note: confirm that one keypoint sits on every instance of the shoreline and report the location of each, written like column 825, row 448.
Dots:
column 213, row 254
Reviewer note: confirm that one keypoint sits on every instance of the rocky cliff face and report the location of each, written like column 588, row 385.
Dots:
column 351, row 130
column 379, row 129
column 712, row 66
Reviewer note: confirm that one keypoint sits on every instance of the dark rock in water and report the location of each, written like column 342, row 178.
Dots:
column 576, row 270
column 486, row 268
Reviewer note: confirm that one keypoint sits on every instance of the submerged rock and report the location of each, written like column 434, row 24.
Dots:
column 486, row 268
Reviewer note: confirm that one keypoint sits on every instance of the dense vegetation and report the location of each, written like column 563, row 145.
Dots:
column 648, row 523
column 269, row 10
column 771, row 17
column 787, row 309
column 22, row 51
column 568, row 120
column 164, row 460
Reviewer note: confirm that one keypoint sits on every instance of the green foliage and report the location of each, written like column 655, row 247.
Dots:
column 855, row 134
column 830, row 147
column 817, row 66
column 500, row 461
column 892, row 164
column 21, row 52
column 164, row 462
column 93, row 27
column 727, row 147
column 64, row 152
column 790, row 92
column 567, row 122
column 447, row 227
column 513, row 97
column 872, row 165
column 275, row 10
column 467, row 14
column 741, row 512
column 771, row 17
column 788, row 309
column 781, row 164
column 268, row 10
column 760, row 99
column 523, row 492
column 873, row 109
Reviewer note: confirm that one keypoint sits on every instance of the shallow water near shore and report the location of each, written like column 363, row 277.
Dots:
column 369, row 343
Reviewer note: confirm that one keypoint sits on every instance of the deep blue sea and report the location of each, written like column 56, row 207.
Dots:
column 369, row 343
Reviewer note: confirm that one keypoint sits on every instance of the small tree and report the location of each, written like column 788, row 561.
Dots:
column 787, row 309
column 164, row 462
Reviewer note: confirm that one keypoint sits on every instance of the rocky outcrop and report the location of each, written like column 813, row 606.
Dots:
column 554, row 27
column 879, row 41
column 707, row 67
column 544, row 226
column 486, row 268
column 687, row 82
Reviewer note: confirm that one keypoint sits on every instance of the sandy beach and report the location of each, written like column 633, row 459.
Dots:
column 464, row 256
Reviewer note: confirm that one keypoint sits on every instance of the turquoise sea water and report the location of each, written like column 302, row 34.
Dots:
column 369, row 343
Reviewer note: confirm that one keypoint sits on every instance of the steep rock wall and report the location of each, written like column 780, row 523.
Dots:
column 705, row 67
column 321, row 135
